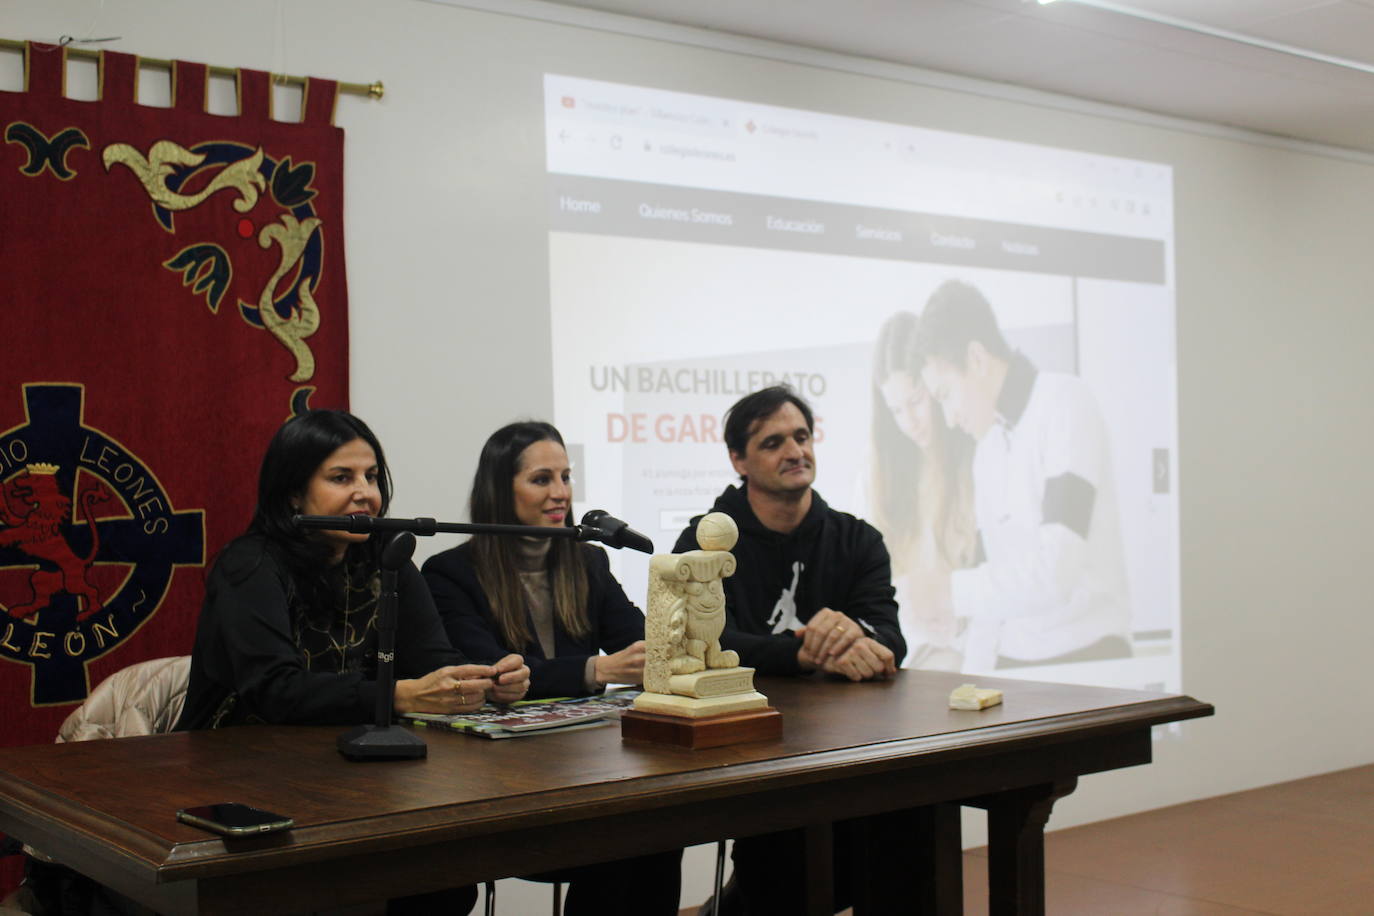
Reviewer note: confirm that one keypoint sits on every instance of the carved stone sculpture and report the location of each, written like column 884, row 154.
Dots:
column 686, row 672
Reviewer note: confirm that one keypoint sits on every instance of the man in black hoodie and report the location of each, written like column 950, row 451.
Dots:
column 812, row 592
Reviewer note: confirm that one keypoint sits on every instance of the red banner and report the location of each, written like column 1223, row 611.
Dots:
column 173, row 289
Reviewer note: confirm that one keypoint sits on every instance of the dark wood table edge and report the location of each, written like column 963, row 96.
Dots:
column 149, row 856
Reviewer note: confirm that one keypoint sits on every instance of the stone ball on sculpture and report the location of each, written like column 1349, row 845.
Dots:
column 717, row 531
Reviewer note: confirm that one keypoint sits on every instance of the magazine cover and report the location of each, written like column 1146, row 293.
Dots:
column 533, row 716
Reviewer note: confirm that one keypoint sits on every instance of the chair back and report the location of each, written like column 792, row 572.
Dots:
column 142, row 699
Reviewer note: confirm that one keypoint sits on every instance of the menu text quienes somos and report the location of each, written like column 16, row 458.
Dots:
column 680, row 215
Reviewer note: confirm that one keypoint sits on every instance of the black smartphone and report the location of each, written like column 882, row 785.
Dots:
column 233, row 819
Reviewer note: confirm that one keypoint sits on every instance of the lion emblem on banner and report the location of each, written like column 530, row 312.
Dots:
column 34, row 509
column 89, row 539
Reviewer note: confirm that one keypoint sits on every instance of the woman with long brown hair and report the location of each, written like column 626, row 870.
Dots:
column 556, row 599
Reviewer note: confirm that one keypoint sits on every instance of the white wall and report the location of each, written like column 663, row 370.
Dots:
column 1274, row 273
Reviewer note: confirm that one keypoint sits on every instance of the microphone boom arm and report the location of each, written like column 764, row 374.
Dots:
column 591, row 529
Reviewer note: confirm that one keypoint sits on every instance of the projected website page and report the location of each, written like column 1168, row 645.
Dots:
column 701, row 248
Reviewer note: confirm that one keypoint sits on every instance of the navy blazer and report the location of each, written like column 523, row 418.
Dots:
column 467, row 616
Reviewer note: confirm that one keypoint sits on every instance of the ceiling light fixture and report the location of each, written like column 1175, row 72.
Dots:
column 1225, row 34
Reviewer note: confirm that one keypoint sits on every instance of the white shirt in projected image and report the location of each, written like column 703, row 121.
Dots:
column 1052, row 579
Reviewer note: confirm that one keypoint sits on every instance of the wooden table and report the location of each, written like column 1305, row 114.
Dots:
column 479, row 809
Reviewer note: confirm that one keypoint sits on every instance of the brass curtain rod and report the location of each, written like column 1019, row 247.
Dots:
column 373, row 90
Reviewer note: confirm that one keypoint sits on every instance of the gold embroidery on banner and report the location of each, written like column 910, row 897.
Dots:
column 206, row 267
column 292, row 236
column 152, row 173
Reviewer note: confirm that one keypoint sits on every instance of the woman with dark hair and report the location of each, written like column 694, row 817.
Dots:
column 552, row 599
column 555, row 601
column 920, row 494
column 287, row 633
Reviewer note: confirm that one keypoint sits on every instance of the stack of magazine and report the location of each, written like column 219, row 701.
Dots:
column 533, row 717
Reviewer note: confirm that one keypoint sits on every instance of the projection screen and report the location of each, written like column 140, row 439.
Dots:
column 701, row 248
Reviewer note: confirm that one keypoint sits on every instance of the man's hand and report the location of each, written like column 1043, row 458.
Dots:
column 865, row 660
column 827, row 635
column 511, row 680
column 448, row 690
column 623, row 667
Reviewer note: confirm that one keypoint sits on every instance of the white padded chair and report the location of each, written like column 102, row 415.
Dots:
column 143, row 699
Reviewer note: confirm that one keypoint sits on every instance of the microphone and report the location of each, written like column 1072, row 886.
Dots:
column 366, row 524
column 600, row 525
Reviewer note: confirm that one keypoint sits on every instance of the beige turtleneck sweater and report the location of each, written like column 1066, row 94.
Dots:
column 533, row 559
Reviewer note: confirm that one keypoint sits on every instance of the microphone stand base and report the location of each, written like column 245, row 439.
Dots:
column 382, row 742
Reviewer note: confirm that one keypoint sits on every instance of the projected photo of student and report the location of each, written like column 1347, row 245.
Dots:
column 920, row 496
column 1048, row 581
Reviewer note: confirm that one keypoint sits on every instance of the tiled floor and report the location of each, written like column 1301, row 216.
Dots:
column 1303, row 848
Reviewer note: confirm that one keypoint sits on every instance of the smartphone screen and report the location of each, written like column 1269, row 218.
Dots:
column 233, row 819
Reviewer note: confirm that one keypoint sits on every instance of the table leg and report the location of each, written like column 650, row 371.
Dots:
column 820, row 880
column 861, row 874
column 1016, row 846
column 940, row 859
column 907, row 861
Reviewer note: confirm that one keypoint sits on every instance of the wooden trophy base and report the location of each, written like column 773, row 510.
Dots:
column 702, row 731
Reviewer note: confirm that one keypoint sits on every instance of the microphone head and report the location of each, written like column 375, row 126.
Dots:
column 358, row 524
column 635, row 541
column 600, row 525
column 330, row 522
column 603, row 522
